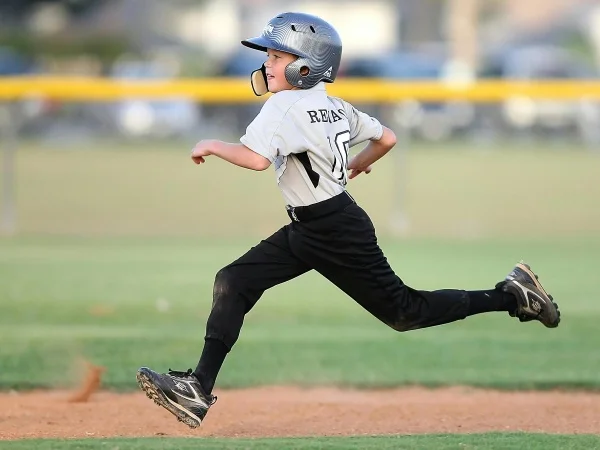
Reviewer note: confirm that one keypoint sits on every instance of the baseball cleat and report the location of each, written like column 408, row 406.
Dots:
column 533, row 302
column 179, row 393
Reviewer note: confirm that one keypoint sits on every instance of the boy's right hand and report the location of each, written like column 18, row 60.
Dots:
column 201, row 150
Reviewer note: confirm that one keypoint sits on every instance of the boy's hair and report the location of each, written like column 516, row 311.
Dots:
column 316, row 43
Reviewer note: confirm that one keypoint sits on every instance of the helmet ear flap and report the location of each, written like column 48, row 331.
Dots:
column 258, row 79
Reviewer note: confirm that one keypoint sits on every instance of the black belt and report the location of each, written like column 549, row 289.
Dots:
column 320, row 209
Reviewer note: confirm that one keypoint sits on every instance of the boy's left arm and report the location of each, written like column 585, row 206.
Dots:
column 237, row 154
column 374, row 151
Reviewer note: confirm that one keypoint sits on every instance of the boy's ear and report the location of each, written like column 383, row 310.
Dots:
column 258, row 79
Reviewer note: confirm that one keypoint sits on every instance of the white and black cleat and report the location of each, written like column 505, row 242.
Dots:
column 533, row 302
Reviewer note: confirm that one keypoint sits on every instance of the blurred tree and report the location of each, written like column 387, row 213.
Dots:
column 17, row 32
column 20, row 8
column 106, row 49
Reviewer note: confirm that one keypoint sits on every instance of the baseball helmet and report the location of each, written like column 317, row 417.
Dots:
column 316, row 43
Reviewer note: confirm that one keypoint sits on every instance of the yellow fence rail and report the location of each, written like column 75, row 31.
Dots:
column 220, row 90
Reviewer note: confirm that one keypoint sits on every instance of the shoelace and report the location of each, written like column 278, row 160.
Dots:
column 176, row 373
column 189, row 374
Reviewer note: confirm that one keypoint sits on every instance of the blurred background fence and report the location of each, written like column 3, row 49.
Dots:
column 496, row 104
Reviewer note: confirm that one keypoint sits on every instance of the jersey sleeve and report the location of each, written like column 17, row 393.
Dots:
column 272, row 133
column 362, row 126
column 259, row 134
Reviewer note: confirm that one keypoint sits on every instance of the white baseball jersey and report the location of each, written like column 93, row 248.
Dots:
column 307, row 135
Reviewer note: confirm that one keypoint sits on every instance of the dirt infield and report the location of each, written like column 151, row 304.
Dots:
column 290, row 411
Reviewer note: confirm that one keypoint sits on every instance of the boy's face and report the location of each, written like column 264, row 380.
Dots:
column 275, row 66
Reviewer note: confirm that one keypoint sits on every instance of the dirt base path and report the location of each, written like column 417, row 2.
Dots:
column 285, row 411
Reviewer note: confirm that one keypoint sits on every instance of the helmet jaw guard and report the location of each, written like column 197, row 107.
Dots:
column 258, row 80
column 315, row 42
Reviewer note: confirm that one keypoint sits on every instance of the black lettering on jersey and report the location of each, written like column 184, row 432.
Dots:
column 305, row 161
column 313, row 116
column 324, row 115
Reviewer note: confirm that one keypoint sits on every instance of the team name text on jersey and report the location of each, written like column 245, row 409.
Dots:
column 326, row 115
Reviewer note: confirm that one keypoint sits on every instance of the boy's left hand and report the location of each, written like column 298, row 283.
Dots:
column 201, row 150
column 355, row 172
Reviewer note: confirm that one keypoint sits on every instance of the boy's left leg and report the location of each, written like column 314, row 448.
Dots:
column 237, row 288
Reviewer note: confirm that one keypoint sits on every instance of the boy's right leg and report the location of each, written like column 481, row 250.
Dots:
column 237, row 288
column 353, row 261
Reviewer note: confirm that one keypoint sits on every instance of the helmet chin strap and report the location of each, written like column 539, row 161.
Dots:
column 258, row 79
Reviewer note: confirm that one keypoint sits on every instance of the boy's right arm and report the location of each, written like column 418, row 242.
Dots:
column 258, row 148
column 237, row 154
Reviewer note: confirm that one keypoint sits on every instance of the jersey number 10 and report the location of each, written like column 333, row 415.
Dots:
column 340, row 148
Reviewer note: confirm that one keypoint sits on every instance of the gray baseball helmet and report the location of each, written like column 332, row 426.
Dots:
column 315, row 42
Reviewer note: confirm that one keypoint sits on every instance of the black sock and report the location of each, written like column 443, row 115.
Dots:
column 492, row 300
column 210, row 363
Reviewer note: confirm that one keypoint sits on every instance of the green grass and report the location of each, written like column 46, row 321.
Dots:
column 123, row 303
column 444, row 192
column 516, row 441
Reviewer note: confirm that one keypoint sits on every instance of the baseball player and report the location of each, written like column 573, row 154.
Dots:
column 306, row 134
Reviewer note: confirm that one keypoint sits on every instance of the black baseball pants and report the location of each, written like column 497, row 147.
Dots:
column 337, row 239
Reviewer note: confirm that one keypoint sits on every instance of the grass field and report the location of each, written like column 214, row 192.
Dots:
column 118, row 249
column 124, row 303
column 452, row 192
column 514, row 441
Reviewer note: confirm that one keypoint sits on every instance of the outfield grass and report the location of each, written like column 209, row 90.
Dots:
column 444, row 192
column 507, row 441
column 123, row 303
